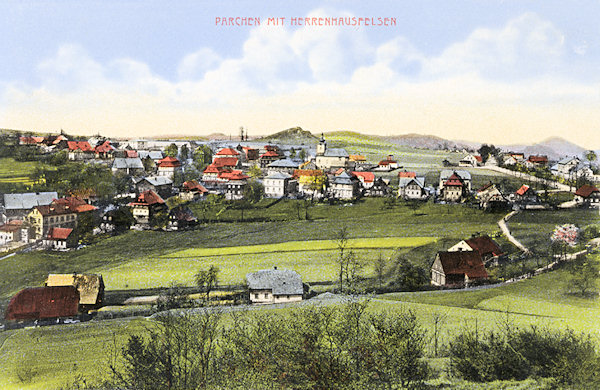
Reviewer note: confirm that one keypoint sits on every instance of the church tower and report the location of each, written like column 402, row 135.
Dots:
column 322, row 146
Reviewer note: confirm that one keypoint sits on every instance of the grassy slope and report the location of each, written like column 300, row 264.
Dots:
column 367, row 219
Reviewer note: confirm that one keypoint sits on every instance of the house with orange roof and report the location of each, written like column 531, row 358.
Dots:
column 192, row 190
column 59, row 239
column 588, row 195
column 168, row 166
column 526, row 195
column 105, row 150
column 387, row 164
column 80, row 150
column 146, row 206
column 367, row 179
column 454, row 189
column 268, row 157
column 235, row 182
column 63, row 213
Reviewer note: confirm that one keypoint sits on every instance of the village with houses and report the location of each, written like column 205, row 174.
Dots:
column 165, row 189
column 165, row 181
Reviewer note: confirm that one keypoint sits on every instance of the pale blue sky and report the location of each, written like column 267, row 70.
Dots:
column 519, row 70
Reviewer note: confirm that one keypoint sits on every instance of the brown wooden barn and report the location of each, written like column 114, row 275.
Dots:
column 41, row 303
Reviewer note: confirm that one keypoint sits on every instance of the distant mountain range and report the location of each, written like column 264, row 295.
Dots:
column 555, row 148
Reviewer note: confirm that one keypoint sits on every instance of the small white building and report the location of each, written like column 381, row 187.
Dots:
column 278, row 184
column 412, row 188
column 274, row 286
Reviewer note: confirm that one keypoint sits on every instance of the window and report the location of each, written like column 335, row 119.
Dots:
column 266, row 295
column 51, row 219
column 255, row 296
column 62, row 219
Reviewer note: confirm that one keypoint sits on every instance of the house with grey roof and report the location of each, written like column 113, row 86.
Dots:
column 412, row 188
column 279, row 184
column 274, row 286
column 343, row 186
column 162, row 185
column 19, row 205
column 285, row 165
column 129, row 166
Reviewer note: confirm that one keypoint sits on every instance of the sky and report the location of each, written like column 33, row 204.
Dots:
column 501, row 72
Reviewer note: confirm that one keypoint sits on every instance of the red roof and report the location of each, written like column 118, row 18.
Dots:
column 105, row 147
column 12, row 226
column 227, row 152
column 131, row 154
column 407, row 174
column 368, row 177
column 270, row 153
column 80, row 145
column 387, row 162
column 169, row 162
column 212, row 168
column 74, row 203
column 484, row 245
column 43, row 303
column 523, row 190
column 463, row 263
column 339, row 171
column 454, row 180
column 233, row 175
column 147, row 198
column 478, row 158
column 193, row 185
column 66, row 205
column 538, row 159
column 57, row 233
column 31, row 140
column 586, row 190
column 225, row 162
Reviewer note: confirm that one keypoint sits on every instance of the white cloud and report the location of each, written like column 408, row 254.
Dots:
column 194, row 65
column 527, row 46
column 323, row 78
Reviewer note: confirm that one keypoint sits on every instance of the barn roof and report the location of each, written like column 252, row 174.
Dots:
column 90, row 286
column 463, row 263
column 586, row 190
column 280, row 281
column 483, row 245
column 43, row 303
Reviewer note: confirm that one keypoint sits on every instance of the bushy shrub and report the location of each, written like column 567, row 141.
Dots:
column 565, row 356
